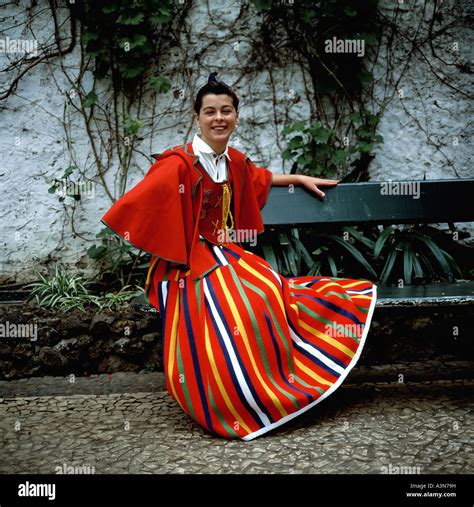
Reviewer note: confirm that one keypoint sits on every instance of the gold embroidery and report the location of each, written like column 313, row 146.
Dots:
column 226, row 213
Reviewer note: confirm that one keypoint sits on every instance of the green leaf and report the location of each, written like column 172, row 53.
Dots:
column 68, row 171
column 295, row 143
column 270, row 255
column 299, row 125
column 131, row 19
column 291, row 256
column 355, row 117
column 262, row 5
column 384, row 235
column 110, row 9
column 303, row 159
column 417, row 266
column 438, row 254
column 89, row 36
column 160, row 84
column 90, row 100
column 365, row 76
column 388, row 265
column 350, row 11
column 339, row 156
column 360, row 237
column 407, row 262
column 322, row 135
column 332, row 265
column 355, row 253
column 304, row 252
column 284, row 239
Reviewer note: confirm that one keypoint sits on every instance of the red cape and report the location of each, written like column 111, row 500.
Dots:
column 158, row 214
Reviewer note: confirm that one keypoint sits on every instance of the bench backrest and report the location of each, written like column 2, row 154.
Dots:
column 382, row 202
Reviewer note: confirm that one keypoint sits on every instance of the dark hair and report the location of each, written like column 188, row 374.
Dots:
column 217, row 87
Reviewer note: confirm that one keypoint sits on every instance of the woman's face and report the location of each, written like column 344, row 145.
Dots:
column 217, row 119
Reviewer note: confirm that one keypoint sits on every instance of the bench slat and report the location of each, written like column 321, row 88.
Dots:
column 440, row 201
column 455, row 293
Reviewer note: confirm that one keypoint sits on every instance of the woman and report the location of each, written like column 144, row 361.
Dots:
column 245, row 349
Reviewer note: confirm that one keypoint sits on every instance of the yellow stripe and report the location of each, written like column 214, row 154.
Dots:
column 311, row 373
column 360, row 296
column 228, row 401
column 150, row 269
column 172, row 351
column 329, row 284
column 235, row 313
column 295, row 307
column 265, row 281
column 326, row 338
column 353, row 284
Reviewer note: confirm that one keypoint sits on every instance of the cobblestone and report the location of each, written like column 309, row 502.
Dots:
column 359, row 429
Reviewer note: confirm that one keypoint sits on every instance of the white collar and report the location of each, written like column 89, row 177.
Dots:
column 203, row 147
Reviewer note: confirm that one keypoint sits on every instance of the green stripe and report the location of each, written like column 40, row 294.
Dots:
column 185, row 388
column 230, row 430
column 197, row 289
column 342, row 296
column 282, row 336
column 168, row 269
column 333, row 324
column 259, row 338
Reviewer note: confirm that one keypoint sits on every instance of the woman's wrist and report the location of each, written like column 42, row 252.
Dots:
column 286, row 179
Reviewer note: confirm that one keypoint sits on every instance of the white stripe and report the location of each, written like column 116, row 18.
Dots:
column 364, row 291
column 220, row 255
column 274, row 273
column 235, row 363
column 164, row 292
column 316, row 353
column 339, row 381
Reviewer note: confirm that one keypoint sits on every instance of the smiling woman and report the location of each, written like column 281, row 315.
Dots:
column 245, row 349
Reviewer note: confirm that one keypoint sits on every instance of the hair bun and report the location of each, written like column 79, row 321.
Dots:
column 212, row 78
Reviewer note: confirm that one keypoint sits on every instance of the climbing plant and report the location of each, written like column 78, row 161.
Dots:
column 331, row 38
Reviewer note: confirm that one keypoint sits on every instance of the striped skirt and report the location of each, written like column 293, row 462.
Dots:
column 246, row 349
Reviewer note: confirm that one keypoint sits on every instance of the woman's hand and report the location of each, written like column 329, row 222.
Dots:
column 309, row 182
column 312, row 183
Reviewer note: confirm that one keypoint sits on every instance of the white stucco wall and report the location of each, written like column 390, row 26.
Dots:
column 36, row 228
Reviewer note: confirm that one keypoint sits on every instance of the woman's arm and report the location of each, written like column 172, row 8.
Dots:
column 282, row 180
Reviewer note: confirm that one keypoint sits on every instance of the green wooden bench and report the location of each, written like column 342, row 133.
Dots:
column 437, row 201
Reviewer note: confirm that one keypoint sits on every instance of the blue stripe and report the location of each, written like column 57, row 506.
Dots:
column 333, row 307
column 231, row 252
column 280, row 366
column 192, row 344
column 230, row 368
column 324, row 352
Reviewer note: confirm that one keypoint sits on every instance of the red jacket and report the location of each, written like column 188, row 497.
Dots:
column 158, row 215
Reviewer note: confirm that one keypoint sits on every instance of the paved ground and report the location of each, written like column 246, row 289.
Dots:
column 362, row 428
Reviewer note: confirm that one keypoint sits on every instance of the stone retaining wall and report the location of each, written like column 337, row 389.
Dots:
column 91, row 342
